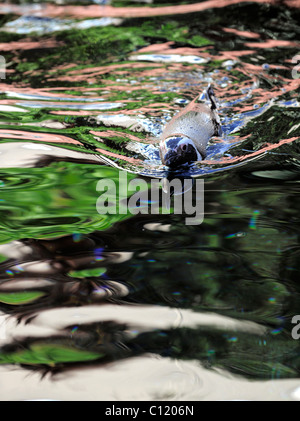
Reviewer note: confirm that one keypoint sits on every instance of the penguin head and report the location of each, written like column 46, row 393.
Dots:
column 178, row 150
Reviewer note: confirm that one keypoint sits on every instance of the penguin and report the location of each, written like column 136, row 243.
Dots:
column 185, row 137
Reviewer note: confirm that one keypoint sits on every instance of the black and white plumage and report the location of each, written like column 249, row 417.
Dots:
column 185, row 137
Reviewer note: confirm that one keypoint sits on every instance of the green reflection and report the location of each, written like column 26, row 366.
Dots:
column 19, row 298
column 55, row 201
column 47, row 354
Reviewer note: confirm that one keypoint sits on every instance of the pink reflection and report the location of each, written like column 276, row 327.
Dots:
column 122, row 157
column 110, row 68
column 75, row 113
column 261, row 151
column 166, row 48
column 95, row 11
column 227, row 55
column 245, row 34
column 72, row 79
column 29, row 45
column 41, row 137
column 272, row 43
column 111, row 133
column 91, row 73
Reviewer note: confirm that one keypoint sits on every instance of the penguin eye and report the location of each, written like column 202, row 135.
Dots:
column 184, row 147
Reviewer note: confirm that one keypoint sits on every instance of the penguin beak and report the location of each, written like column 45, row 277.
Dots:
column 170, row 158
column 179, row 154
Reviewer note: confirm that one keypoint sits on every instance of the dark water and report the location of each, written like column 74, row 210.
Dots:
column 123, row 306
